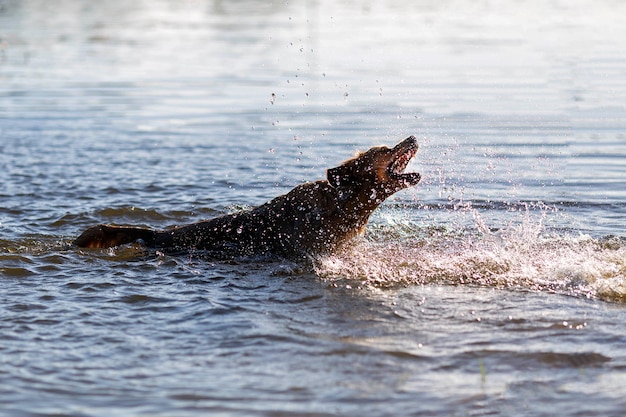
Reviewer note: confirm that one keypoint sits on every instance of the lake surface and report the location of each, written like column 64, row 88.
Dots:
column 495, row 287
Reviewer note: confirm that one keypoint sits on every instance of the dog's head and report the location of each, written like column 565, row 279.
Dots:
column 380, row 168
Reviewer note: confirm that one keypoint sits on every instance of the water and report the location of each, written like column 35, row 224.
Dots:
column 495, row 287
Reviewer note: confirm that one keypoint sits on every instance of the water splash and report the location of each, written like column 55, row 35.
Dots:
column 521, row 256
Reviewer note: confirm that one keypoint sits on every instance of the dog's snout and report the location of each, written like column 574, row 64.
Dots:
column 408, row 143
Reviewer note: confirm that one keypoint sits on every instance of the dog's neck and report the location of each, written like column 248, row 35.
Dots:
column 360, row 201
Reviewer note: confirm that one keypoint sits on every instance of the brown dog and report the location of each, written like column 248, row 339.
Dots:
column 315, row 217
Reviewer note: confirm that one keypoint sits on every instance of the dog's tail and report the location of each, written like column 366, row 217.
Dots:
column 104, row 236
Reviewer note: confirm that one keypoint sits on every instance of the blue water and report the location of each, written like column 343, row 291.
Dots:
column 495, row 287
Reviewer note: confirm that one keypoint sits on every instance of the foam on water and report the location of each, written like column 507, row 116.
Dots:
column 522, row 256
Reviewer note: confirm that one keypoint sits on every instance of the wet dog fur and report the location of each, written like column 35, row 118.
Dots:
column 314, row 217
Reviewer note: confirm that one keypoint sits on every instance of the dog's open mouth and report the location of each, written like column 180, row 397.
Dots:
column 402, row 155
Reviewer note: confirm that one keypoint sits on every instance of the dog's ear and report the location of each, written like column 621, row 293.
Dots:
column 342, row 175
